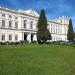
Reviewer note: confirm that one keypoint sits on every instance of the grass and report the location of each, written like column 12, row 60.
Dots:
column 37, row 59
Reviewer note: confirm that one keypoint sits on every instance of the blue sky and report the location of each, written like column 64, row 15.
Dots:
column 53, row 8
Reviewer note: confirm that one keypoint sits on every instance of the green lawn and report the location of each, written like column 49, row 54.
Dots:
column 37, row 59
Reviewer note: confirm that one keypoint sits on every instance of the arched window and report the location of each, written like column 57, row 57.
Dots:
column 31, row 24
column 25, row 23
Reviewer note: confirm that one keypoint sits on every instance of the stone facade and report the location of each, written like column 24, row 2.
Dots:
column 21, row 25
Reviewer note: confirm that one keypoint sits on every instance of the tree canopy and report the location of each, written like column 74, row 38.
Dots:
column 43, row 33
column 70, row 35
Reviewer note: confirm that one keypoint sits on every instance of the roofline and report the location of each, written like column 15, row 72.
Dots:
column 21, row 13
column 55, row 22
column 16, row 12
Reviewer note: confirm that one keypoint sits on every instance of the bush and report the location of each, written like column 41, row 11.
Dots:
column 55, row 42
column 8, row 43
column 34, row 42
column 23, row 42
column 2, row 43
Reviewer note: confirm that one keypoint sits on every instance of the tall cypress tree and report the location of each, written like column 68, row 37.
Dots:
column 74, row 36
column 43, row 33
column 70, row 35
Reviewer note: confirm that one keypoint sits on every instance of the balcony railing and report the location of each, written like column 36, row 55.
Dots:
column 14, row 28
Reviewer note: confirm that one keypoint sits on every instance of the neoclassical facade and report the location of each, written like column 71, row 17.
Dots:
column 21, row 25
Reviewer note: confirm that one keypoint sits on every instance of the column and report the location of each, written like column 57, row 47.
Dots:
column 19, row 22
column 21, row 36
column 29, row 37
column 34, row 37
column 28, row 24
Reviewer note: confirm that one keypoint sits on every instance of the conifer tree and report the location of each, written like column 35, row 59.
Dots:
column 43, row 33
column 70, row 35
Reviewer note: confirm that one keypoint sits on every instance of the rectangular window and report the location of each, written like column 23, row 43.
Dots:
column 10, row 16
column 16, row 17
column 10, row 24
column 16, row 37
column 3, row 23
column 3, row 15
column 56, row 30
column 10, row 37
column 51, row 29
column 3, row 37
column 16, row 25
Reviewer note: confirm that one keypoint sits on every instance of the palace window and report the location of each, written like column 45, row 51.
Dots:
column 25, row 23
column 51, row 30
column 3, row 15
column 16, row 17
column 3, row 23
column 16, row 25
column 31, row 25
column 16, row 37
column 10, row 16
column 54, row 38
column 10, row 24
column 10, row 37
column 65, row 30
column 56, row 30
column 3, row 37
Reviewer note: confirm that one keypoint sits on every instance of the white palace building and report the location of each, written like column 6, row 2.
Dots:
column 21, row 25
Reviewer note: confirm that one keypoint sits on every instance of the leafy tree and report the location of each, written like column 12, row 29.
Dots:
column 43, row 33
column 70, row 35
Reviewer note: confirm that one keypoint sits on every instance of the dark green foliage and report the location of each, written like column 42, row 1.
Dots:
column 70, row 35
column 43, row 33
column 74, row 35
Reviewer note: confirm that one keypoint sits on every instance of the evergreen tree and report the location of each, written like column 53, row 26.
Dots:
column 74, row 36
column 70, row 35
column 43, row 33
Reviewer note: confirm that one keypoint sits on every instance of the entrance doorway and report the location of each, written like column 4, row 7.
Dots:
column 32, row 37
column 25, row 37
